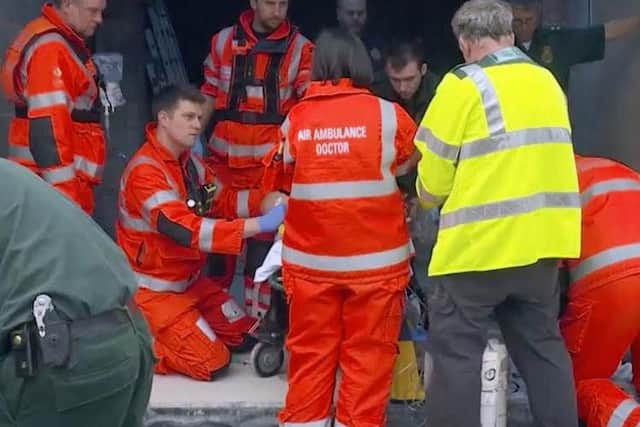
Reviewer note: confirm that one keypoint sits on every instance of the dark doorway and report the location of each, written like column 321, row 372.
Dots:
column 196, row 21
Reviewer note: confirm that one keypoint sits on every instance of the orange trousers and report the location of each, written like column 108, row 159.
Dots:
column 599, row 326
column 192, row 330
column 351, row 327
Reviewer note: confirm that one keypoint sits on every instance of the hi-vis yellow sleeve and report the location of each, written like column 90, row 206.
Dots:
column 439, row 139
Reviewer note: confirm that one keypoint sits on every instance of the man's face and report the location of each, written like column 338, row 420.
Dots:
column 270, row 14
column 352, row 15
column 183, row 124
column 525, row 22
column 406, row 81
column 83, row 16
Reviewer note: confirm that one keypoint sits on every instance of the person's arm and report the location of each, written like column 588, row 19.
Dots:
column 50, row 92
column 303, row 77
column 439, row 139
column 148, row 192
column 280, row 161
column 211, row 84
column 407, row 155
column 618, row 28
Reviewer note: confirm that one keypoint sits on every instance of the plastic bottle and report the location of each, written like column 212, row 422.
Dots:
column 495, row 381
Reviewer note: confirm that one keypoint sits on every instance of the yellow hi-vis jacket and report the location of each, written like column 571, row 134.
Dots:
column 497, row 155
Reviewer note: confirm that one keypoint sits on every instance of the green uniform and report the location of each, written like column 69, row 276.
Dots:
column 49, row 246
column 559, row 48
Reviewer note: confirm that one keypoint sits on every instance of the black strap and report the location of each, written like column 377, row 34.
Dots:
column 249, row 117
column 79, row 116
column 243, row 75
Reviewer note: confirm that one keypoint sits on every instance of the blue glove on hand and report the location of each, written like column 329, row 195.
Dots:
column 271, row 220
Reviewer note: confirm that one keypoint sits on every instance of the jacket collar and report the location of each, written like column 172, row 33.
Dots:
column 163, row 154
column 327, row 88
column 51, row 14
column 282, row 32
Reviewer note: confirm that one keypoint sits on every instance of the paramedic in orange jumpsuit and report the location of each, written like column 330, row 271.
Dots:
column 165, row 234
column 602, row 319
column 346, row 248
column 49, row 76
column 255, row 72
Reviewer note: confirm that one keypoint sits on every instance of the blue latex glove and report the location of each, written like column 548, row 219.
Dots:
column 271, row 220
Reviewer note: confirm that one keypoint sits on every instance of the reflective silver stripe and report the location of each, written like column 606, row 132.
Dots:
column 509, row 207
column 254, row 92
column 320, row 423
column 358, row 189
column 160, row 285
column 205, row 236
column 490, row 102
column 303, row 87
column 515, row 139
column 48, row 99
column 90, row 168
column 59, row 175
column 243, row 204
column 208, row 64
column 205, row 328
column 622, row 413
column 285, row 93
column 343, row 264
column 156, row 199
column 286, row 151
column 237, row 150
column 427, row 197
column 135, row 224
column 604, row 259
column 609, row 186
column 144, row 160
column 223, row 37
column 296, row 57
column 437, row 146
column 20, row 152
column 92, row 89
column 225, row 72
column 212, row 81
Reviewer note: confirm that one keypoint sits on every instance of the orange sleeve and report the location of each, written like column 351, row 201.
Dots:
column 149, row 195
column 303, row 78
column 405, row 134
column 211, row 70
column 50, row 87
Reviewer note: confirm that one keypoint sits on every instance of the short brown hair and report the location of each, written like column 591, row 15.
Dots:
column 170, row 96
column 338, row 54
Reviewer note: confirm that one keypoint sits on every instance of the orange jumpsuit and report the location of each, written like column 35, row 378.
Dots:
column 190, row 316
column 49, row 75
column 253, row 82
column 346, row 251
column 602, row 320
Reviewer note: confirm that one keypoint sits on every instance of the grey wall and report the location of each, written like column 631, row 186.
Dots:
column 605, row 96
column 123, row 31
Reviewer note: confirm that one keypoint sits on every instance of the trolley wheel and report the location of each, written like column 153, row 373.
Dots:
column 267, row 359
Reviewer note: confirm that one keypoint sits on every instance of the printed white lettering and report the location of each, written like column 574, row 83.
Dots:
column 348, row 132
column 332, row 148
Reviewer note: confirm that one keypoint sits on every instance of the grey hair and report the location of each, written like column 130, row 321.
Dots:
column 477, row 19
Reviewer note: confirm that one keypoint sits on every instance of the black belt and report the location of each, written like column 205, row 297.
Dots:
column 79, row 116
column 249, row 117
column 80, row 328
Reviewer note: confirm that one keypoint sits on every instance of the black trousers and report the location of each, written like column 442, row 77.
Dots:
column 524, row 301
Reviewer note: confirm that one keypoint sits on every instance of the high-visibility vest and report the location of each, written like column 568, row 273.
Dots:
column 254, row 83
column 610, row 196
column 345, row 216
column 497, row 155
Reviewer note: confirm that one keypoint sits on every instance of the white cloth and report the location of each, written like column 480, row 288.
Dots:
column 271, row 264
